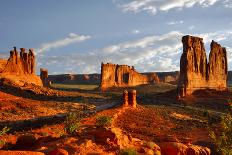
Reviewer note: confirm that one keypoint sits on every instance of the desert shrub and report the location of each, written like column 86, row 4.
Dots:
column 72, row 123
column 3, row 132
column 149, row 145
column 223, row 141
column 128, row 151
column 104, row 121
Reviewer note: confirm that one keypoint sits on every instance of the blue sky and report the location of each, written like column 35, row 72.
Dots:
column 75, row 36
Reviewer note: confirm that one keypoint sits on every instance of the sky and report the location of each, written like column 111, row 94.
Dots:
column 75, row 36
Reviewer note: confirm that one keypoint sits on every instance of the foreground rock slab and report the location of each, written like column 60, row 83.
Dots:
column 20, row 153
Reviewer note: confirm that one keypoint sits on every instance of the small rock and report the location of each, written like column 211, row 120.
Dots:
column 25, row 141
column 173, row 148
column 58, row 151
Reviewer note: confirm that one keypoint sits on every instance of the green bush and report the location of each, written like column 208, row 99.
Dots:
column 149, row 145
column 223, row 141
column 128, row 151
column 72, row 123
column 3, row 132
column 104, row 121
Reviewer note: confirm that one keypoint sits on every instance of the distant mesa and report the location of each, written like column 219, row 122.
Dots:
column 195, row 72
column 114, row 75
column 20, row 68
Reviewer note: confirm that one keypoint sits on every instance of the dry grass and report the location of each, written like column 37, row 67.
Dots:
column 73, row 86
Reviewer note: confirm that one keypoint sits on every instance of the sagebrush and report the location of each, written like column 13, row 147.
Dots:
column 223, row 138
column 104, row 121
column 72, row 122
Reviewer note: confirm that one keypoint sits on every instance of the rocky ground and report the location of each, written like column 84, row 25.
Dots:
column 158, row 125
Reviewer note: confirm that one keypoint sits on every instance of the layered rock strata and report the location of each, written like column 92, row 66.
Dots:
column 129, row 98
column 195, row 72
column 20, row 67
column 113, row 75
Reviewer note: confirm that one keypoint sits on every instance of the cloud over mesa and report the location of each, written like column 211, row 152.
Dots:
column 70, row 39
column 148, row 54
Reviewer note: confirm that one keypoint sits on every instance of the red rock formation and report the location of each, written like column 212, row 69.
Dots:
column 132, row 98
column 195, row 72
column 125, row 98
column 20, row 68
column 129, row 99
column 171, row 79
column 123, row 76
column 217, row 66
column 44, row 77
column 175, row 148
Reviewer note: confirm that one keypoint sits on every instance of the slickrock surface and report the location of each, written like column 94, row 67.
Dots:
column 195, row 72
column 113, row 75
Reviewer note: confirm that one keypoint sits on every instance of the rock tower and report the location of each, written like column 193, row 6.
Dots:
column 195, row 72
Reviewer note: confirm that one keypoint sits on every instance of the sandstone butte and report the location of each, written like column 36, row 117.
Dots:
column 113, row 75
column 20, row 68
column 195, row 72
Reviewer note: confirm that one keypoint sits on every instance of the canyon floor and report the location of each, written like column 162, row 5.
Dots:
column 39, row 116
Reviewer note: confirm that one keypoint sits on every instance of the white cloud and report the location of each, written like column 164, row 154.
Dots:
column 217, row 36
column 135, row 31
column 228, row 3
column 229, row 54
column 70, row 39
column 191, row 27
column 175, row 22
column 151, row 53
column 152, row 6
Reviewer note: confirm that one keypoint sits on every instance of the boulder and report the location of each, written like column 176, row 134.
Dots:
column 198, row 150
column 173, row 148
column 112, row 136
column 25, row 141
column 58, row 151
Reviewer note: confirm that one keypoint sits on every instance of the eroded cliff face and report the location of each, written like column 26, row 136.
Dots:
column 217, row 67
column 113, row 75
column 20, row 64
column 195, row 72
column 20, row 68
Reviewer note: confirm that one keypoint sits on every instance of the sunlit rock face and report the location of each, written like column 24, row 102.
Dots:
column 20, row 67
column 44, row 77
column 113, row 75
column 195, row 72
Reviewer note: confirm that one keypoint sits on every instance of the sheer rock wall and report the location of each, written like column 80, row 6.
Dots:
column 195, row 72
